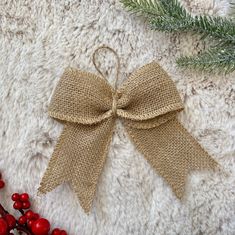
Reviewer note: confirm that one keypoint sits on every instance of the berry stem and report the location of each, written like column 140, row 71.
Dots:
column 23, row 229
column 3, row 212
column 21, row 211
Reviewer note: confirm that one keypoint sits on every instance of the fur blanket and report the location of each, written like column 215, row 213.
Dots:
column 38, row 40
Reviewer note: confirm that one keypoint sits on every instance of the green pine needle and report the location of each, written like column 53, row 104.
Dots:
column 156, row 8
column 143, row 7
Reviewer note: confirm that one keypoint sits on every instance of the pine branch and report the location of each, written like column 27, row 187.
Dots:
column 171, row 16
column 214, row 27
column 212, row 60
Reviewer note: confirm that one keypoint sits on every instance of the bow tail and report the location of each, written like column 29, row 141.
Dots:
column 79, row 158
column 172, row 152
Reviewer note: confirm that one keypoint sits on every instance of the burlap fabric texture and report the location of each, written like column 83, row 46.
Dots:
column 147, row 104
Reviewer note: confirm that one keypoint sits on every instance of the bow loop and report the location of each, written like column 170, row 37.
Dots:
column 81, row 97
column 147, row 94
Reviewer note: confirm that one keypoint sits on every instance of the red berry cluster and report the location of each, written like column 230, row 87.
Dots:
column 21, row 201
column 29, row 222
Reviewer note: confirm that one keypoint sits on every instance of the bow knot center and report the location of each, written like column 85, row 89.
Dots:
column 114, row 105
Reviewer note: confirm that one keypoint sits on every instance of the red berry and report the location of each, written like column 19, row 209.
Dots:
column 15, row 197
column 3, row 227
column 56, row 231
column 17, row 205
column 22, row 220
column 24, row 197
column 30, row 223
column 26, row 205
column 41, row 227
column 36, row 216
column 11, row 221
column 29, row 214
column 2, row 184
column 63, row 232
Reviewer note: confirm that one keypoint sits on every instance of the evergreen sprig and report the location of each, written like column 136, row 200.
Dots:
column 211, row 60
column 171, row 16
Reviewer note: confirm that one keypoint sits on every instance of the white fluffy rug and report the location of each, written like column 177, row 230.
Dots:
column 38, row 40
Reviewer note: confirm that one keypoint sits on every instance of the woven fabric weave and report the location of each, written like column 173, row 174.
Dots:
column 147, row 104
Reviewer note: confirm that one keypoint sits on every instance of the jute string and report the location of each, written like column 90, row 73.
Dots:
column 115, row 95
column 147, row 103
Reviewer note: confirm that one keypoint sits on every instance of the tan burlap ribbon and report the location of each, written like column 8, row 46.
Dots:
column 147, row 105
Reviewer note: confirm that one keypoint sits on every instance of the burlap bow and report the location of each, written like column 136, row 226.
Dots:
column 147, row 105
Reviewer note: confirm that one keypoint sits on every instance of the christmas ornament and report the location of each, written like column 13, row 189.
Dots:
column 146, row 104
